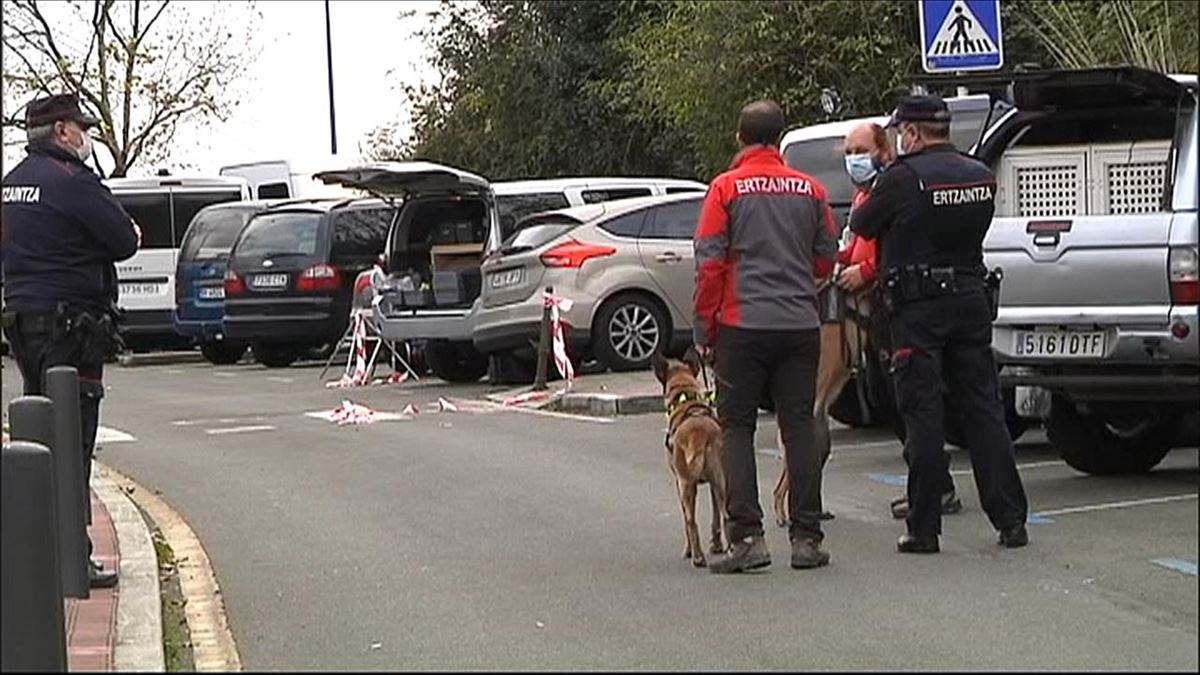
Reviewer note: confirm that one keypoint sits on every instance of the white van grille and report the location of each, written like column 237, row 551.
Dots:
column 1136, row 187
column 1044, row 191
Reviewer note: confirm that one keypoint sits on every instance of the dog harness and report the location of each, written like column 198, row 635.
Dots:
column 697, row 404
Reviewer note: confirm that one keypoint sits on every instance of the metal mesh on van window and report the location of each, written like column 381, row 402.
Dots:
column 1048, row 191
column 1136, row 187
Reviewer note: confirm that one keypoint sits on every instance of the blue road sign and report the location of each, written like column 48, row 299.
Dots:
column 958, row 35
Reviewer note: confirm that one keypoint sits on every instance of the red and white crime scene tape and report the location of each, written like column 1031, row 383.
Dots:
column 352, row 413
column 356, row 373
column 558, row 340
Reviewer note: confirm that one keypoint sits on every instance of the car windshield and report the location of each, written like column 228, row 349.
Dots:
column 823, row 159
column 275, row 234
column 532, row 234
column 213, row 233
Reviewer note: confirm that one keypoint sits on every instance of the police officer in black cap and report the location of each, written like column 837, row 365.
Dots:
column 931, row 209
column 63, row 233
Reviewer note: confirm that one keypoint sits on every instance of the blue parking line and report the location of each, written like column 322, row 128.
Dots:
column 1038, row 519
column 773, row 452
column 889, row 478
column 1176, row 564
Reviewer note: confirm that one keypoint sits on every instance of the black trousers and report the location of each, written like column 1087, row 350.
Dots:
column 943, row 345
column 38, row 345
column 881, row 347
column 784, row 363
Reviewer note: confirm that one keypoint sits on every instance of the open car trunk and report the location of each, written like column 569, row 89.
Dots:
column 440, row 235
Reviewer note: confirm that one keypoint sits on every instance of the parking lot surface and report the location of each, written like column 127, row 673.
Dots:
column 486, row 538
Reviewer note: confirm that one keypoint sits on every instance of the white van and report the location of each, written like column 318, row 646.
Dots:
column 290, row 179
column 162, row 206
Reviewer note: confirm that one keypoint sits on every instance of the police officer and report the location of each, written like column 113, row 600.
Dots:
column 62, row 234
column 931, row 210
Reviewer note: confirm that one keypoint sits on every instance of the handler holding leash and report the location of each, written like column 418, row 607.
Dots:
column 931, row 210
column 765, row 233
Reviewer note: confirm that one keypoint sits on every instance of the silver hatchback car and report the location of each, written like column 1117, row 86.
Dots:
column 627, row 266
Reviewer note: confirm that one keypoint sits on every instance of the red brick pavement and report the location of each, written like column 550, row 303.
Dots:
column 91, row 623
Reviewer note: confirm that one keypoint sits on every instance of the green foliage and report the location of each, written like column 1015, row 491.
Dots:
column 556, row 87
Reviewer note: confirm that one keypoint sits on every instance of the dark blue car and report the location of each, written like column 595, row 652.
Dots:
column 200, row 278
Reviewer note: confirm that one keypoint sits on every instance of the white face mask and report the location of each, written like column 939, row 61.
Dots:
column 861, row 168
column 84, row 152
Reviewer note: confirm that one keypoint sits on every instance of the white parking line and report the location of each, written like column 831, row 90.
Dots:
column 1119, row 505
column 108, row 435
column 533, row 411
column 284, row 380
column 1020, row 467
column 239, row 430
column 218, row 373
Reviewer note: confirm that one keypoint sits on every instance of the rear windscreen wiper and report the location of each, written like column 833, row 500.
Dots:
column 509, row 250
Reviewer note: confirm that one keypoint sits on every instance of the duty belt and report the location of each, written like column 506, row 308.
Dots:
column 909, row 283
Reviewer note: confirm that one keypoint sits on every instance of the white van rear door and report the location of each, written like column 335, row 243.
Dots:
column 146, row 280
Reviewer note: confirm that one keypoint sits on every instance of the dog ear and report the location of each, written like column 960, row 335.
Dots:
column 693, row 360
column 659, row 363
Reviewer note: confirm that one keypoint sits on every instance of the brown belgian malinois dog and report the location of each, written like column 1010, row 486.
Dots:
column 842, row 346
column 693, row 448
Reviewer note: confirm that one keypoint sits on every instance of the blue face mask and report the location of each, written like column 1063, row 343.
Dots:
column 861, row 168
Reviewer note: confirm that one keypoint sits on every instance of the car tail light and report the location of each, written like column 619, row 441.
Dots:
column 1184, row 274
column 233, row 283
column 573, row 253
column 319, row 278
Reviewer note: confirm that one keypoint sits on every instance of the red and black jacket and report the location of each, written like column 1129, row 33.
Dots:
column 766, row 234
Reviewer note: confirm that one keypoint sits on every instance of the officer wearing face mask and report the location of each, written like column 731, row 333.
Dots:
column 867, row 153
column 931, row 210
column 63, row 233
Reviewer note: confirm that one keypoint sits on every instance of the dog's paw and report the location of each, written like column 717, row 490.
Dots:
column 699, row 561
column 716, row 549
column 687, row 553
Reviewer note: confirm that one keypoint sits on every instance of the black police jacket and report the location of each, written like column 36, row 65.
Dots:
column 61, row 231
column 931, row 207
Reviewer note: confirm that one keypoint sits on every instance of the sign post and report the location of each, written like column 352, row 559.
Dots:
column 960, row 35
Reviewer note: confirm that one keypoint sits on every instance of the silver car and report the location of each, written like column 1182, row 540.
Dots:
column 627, row 266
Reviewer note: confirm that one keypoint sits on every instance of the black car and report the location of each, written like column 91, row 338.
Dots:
column 290, row 281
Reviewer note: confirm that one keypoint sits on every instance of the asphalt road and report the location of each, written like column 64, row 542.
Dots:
column 491, row 539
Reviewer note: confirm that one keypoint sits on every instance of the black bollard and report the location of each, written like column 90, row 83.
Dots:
column 62, row 385
column 32, row 625
column 543, row 348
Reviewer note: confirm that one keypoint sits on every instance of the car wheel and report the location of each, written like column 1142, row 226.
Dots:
column 456, row 362
column 222, row 353
column 629, row 330
column 1088, row 444
column 274, row 355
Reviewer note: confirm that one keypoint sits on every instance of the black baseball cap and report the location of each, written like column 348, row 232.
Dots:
column 920, row 109
column 57, row 107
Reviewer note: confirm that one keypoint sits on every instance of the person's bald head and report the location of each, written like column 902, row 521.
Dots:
column 869, row 138
column 761, row 123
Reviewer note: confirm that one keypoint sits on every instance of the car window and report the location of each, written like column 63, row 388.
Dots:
column 513, row 208
column 823, row 159
column 965, row 126
column 611, row 194
column 536, row 233
column 360, row 233
column 672, row 221
column 628, row 225
column 188, row 204
column 152, row 212
column 212, row 233
column 283, row 233
column 273, row 191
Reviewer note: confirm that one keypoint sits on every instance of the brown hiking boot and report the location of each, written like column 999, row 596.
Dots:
column 746, row 554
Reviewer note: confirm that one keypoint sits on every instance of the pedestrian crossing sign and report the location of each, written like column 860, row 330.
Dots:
column 960, row 35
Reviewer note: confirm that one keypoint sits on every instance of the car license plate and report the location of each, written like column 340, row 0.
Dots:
column 1061, row 344
column 269, row 280
column 212, row 292
column 507, row 278
column 128, row 290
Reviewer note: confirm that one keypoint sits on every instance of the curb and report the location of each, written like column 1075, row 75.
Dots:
column 138, row 638
column 159, row 359
column 213, row 646
column 609, row 404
